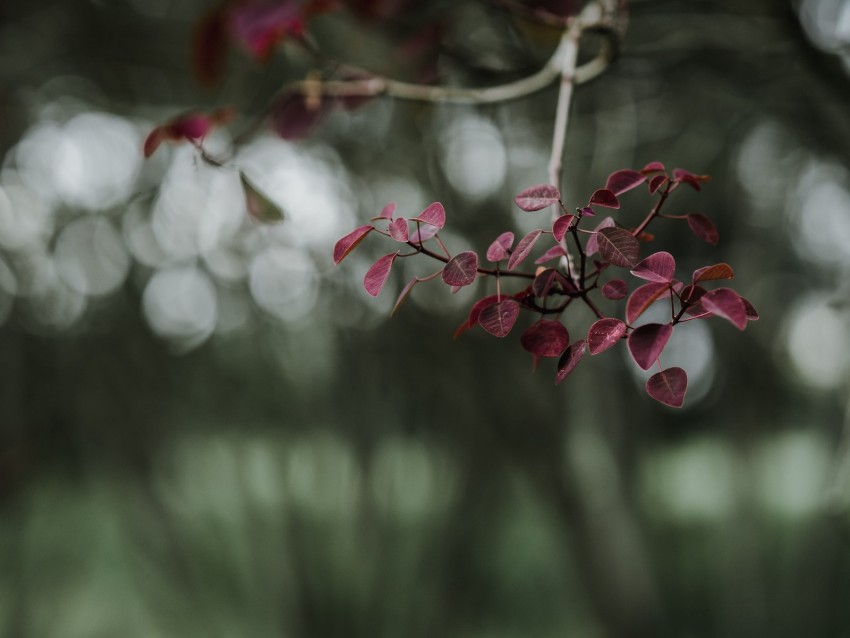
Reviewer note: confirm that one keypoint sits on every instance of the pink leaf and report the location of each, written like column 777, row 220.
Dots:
column 652, row 167
column 625, row 180
column 668, row 387
column 713, row 273
column 378, row 273
column 474, row 313
column 461, row 269
column 388, row 211
column 402, row 297
column 604, row 197
column 659, row 267
column 350, row 241
column 498, row 318
column 656, row 182
column 703, row 228
column 647, row 342
column 681, row 175
column 423, row 233
column 592, row 245
column 643, row 297
column 752, row 314
column 553, row 253
column 537, row 197
column 570, row 359
column 726, row 303
column 618, row 246
column 434, row 214
column 398, row 230
column 498, row 250
column 523, row 248
column 615, row 289
column 551, row 280
column 604, row 333
column 545, row 338
column 561, row 226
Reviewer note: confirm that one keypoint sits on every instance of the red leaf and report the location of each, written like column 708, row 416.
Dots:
column 259, row 27
column 498, row 318
column 561, row 226
column 498, row 250
column 434, row 214
column 713, row 273
column 537, row 197
column 656, row 182
column 681, row 175
column 474, row 313
column 668, row 387
column 659, row 267
column 553, row 253
column 647, row 342
column 192, row 126
column 523, row 248
column 643, row 297
column 604, row 197
column 405, row 292
column 752, row 314
column 726, row 303
column 398, row 230
column 388, row 211
column 350, row 241
column 652, row 167
column 691, row 294
column 461, row 269
column 703, row 228
column 604, row 333
column 378, row 273
column 615, row 289
column 570, row 359
column 545, row 338
column 618, row 246
column 625, row 180
column 293, row 116
column 592, row 245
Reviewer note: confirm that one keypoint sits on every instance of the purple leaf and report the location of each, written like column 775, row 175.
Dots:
column 461, row 269
column 604, row 333
column 523, row 248
column 561, row 226
column 537, row 197
column 498, row 318
column 618, row 246
column 713, row 273
column 553, row 253
column 500, row 247
column 569, row 360
column 592, row 245
column 668, row 387
column 681, row 175
column 726, row 303
column 350, row 241
column 402, row 297
column 378, row 273
column 643, row 297
column 652, row 167
column 647, row 342
column 548, row 280
column 398, row 230
column 615, row 289
column 656, row 182
column 587, row 211
column 387, row 211
column 659, row 267
column 691, row 294
column 604, row 197
column 474, row 313
column 434, row 214
column 545, row 338
column 752, row 315
column 625, row 180
column 703, row 228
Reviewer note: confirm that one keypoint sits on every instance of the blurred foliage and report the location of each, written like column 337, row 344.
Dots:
column 207, row 431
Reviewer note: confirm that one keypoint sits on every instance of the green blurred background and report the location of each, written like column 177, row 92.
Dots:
column 208, row 430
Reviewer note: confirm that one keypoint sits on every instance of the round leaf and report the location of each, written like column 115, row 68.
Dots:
column 668, row 387
column 553, row 253
column 647, row 342
column 350, row 241
column 498, row 250
column 604, row 197
column 434, row 214
column 726, row 303
column 378, row 274
column 604, row 333
column 625, row 180
column 461, row 269
column 652, row 167
column 523, row 248
column 615, row 289
column 561, row 226
column 658, row 267
column 537, row 197
column 643, row 297
column 618, row 246
column 398, row 230
column 703, row 228
column 656, row 182
column 498, row 318
column 592, row 245
column 545, row 338
column 713, row 273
